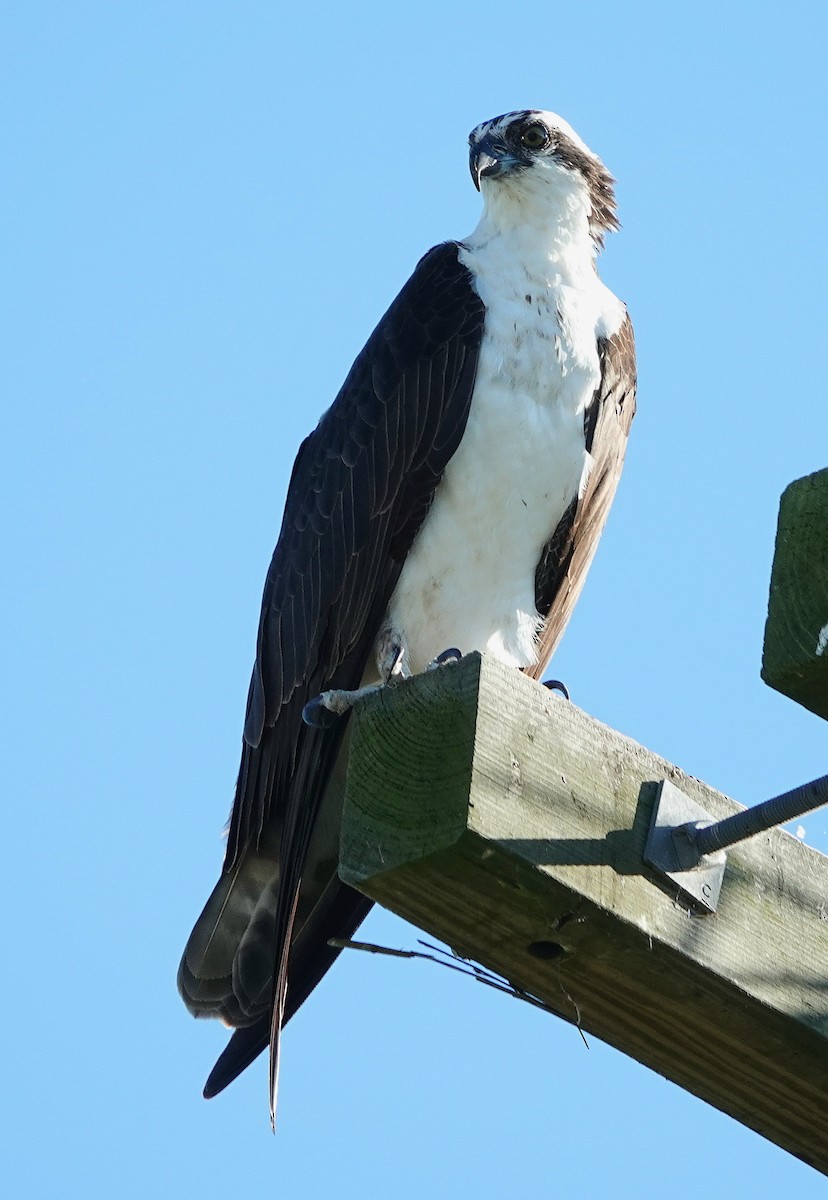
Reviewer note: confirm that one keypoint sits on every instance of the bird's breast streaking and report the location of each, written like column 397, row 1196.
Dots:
column 469, row 579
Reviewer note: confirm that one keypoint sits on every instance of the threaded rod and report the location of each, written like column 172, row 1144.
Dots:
column 796, row 803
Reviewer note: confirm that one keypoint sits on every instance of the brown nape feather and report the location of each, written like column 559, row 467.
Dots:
column 600, row 184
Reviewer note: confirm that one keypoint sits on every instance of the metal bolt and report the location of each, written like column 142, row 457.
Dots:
column 777, row 811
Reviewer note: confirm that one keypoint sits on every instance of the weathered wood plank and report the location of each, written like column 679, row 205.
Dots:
column 510, row 825
column 795, row 657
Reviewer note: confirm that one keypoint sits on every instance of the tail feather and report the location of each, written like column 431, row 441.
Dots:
column 279, row 1000
column 261, row 944
column 243, row 1048
column 310, row 958
column 206, row 973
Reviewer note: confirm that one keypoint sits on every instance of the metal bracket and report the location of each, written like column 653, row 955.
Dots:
column 671, row 851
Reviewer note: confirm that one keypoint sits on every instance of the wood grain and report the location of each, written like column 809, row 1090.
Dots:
column 795, row 657
column 510, row 825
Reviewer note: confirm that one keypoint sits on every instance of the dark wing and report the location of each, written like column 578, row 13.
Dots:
column 567, row 555
column 360, row 488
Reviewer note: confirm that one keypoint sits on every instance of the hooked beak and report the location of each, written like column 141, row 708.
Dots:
column 488, row 159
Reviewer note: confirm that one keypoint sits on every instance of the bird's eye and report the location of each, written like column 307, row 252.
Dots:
column 534, row 136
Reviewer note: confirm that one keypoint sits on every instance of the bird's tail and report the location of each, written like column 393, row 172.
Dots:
column 227, row 970
column 243, row 1048
column 223, row 971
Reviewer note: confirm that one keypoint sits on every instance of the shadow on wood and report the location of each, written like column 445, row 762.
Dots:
column 500, row 818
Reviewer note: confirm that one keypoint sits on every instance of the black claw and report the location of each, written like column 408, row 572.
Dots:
column 555, row 685
column 318, row 716
column 450, row 655
column 398, row 651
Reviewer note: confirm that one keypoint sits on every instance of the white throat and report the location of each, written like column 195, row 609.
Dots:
column 539, row 220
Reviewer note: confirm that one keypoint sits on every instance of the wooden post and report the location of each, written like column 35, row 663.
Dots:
column 795, row 659
column 510, row 825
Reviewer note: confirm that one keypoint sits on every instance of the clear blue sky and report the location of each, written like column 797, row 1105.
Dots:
column 206, row 208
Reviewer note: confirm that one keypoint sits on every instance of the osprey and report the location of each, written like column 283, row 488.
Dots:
column 451, row 496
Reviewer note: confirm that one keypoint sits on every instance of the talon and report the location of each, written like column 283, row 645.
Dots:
column 319, row 715
column 390, row 656
column 447, row 656
column 556, row 685
column 450, row 655
column 396, row 659
column 324, row 710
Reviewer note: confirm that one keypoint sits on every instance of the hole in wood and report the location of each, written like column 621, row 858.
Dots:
column 547, row 950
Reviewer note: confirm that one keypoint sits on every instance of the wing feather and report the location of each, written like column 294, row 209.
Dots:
column 359, row 490
column 568, row 553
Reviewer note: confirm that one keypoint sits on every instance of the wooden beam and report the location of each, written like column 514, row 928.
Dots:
column 795, row 658
column 510, row 825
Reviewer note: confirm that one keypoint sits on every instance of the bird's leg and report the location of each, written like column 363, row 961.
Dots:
column 324, row 710
column 391, row 656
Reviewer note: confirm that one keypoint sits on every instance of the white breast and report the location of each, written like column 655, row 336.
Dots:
column 469, row 579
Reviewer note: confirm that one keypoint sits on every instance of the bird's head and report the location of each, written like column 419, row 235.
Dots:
column 536, row 157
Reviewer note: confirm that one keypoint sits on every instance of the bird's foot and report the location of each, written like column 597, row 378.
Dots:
column 448, row 656
column 324, row 710
column 556, row 685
